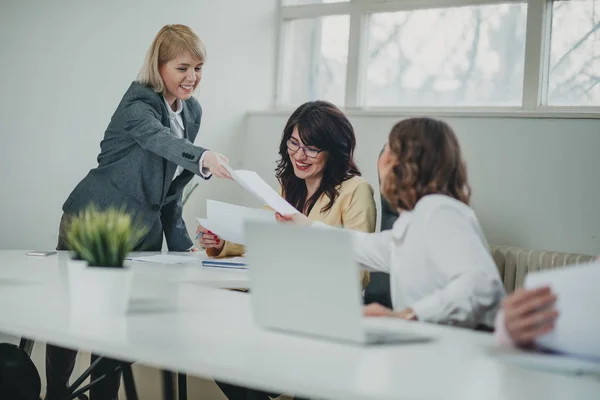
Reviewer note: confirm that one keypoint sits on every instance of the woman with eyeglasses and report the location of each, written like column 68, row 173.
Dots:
column 317, row 175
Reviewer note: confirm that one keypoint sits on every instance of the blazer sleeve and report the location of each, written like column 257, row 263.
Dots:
column 142, row 123
column 174, row 227
column 361, row 212
column 361, row 215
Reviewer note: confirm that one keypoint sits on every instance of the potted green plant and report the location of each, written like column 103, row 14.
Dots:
column 99, row 282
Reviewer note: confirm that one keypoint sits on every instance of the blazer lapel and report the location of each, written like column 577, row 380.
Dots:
column 189, row 133
column 169, row 167
column 189, row 119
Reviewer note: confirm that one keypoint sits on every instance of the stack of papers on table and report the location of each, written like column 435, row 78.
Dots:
column 168, row 259
column 235, row 263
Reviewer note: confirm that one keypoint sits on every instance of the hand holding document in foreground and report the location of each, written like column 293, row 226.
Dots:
column 227, row 220
column 253, row 183
column 577, row 329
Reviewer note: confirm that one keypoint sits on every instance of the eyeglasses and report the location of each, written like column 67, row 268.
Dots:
column 294, row 146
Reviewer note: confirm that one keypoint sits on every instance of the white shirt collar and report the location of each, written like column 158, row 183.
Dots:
column 179, row 106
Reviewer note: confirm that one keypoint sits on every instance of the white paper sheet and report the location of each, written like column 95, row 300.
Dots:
column 253, row 183
column 559, row 364
column 577, row 329
column 227, row 220
column 223, row 230
column 168, row 259
column 224, row 164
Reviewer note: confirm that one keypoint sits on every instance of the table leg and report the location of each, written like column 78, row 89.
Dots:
column 168, row 386
column 26, row 345
column 129, row 382
column 182, row 386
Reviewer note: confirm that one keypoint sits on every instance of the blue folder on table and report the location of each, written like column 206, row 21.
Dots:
column 235, row 262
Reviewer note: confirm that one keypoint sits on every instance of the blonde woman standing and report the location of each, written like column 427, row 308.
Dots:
column 146, row 159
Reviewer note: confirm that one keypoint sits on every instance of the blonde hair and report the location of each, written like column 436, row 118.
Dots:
column 171, row 41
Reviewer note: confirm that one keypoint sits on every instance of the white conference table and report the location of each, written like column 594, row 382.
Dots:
column 210, row 332
column 15, row 264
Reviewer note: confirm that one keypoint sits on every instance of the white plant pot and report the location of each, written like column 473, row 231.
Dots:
column 98, row 290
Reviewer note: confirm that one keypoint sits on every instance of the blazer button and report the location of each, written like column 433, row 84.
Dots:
column 156, row 207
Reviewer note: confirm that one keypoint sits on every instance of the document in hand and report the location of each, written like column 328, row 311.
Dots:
column 577, row 329
column 253, row 183
column 227, row 220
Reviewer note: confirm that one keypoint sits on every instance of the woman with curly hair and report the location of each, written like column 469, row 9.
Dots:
column 440, row 267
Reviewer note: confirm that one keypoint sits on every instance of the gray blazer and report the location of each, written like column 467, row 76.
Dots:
column 138, row 158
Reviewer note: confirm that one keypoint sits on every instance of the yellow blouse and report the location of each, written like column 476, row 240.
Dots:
column 354, row 208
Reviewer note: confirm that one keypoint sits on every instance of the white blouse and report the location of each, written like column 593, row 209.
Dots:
column 178, row 129
column 439, row 263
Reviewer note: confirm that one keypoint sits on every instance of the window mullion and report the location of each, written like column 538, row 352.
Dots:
column 536, row 54
column 279, row 55
column 354, row 75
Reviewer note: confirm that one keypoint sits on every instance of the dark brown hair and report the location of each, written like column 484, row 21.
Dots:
column 426, row 159
column 322, row 125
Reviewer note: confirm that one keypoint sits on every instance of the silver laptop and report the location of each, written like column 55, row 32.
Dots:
column 305, row 280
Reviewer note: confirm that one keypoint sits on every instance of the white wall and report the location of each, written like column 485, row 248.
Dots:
column 65, row 66
column 535, row 181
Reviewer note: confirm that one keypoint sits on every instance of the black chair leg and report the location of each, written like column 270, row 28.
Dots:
column 125, row 368
column 168, row 385
column 182, row 386
column 73, row 388
column 26, row 345
column 129, row 382
column 79, row 394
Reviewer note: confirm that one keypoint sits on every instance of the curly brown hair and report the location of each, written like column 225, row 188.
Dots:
column 425, row 159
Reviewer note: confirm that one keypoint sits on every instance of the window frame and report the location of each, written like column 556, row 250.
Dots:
column 535, row 75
